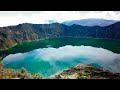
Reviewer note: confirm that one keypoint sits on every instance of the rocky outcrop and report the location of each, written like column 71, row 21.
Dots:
column 7, row 73
column 81, row 71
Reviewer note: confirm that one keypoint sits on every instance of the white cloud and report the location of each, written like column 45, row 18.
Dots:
column 40, row 17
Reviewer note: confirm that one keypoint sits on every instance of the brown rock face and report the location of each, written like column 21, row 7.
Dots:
column 81, row 71
column 12, row 35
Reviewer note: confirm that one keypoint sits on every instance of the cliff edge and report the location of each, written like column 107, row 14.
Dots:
column 81, row 71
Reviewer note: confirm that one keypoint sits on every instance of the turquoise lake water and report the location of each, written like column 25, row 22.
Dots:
column 53, row 55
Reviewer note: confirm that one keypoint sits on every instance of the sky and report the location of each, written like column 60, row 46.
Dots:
column 40, row 17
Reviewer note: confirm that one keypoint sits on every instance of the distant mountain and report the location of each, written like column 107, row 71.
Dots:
column 51, row 21
column 12, row 35
column 90, row 22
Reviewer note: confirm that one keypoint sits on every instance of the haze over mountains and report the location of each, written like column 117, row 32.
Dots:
column 91, row 22
column 28, row 32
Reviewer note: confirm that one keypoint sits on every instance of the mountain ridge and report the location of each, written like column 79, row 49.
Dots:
column 12, row 35
column 90, row 22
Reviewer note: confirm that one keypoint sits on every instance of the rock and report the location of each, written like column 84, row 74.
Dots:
column 81, row 71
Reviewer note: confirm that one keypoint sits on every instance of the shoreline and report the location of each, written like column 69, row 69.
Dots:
column 60, row 37
column 3, row 54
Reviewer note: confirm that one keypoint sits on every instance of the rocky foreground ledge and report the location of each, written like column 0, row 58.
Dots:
column 79, row 71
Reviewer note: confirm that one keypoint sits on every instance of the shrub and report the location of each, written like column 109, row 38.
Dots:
column 1, row 64
column 23, row 70
column 38, row 76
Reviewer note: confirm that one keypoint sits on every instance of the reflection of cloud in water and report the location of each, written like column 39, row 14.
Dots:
column 70, row 55
column 48, row 45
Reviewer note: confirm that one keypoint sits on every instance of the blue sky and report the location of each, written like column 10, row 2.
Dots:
column 40, row 17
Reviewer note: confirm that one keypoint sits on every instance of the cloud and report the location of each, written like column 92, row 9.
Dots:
column 41, row 17
column 68, row 55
